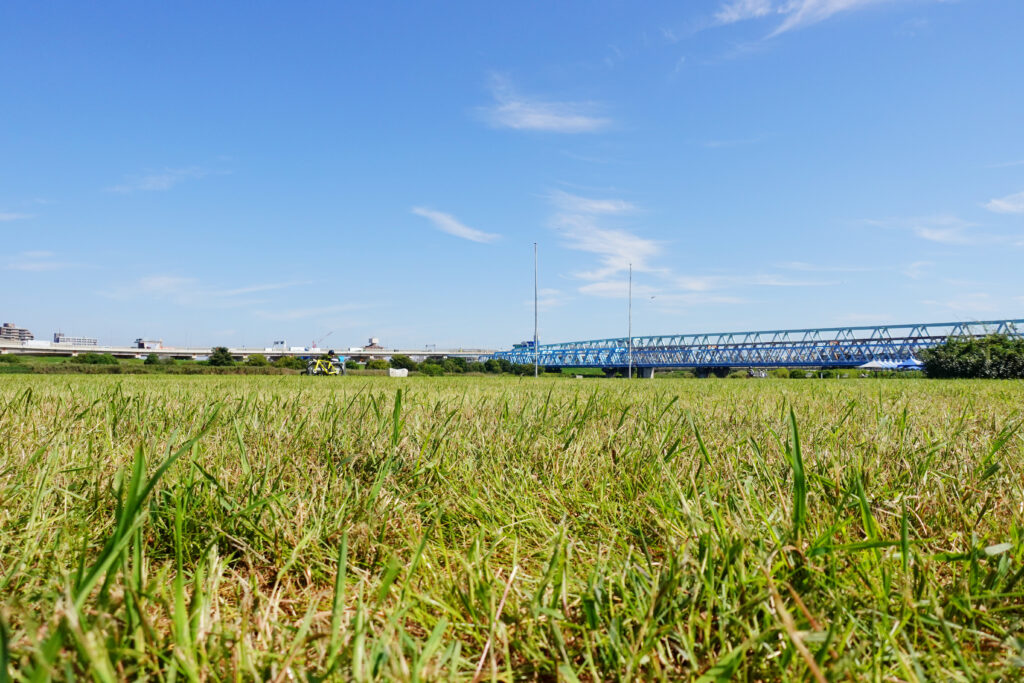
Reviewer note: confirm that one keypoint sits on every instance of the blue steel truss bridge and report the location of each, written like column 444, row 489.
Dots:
column 826, row 347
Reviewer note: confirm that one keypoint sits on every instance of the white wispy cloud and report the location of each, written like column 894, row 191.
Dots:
column 615, row 249
column 577, row 204
column 512, row 109
column 1013, row 203
column 445, row 222
column 942, row 229
column 586, row 224
column 578, row 220
column 162, row 180
column 741, row 10
column 801, row 13
column 795, row 14
column 6, row 216
column 37, row 262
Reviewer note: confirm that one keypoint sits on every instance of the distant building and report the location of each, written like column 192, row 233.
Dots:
column 141, row 343
column 61, row 338
column 11, row 332
column 374, row 343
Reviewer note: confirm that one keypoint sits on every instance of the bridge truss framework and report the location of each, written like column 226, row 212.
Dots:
column 827, row 347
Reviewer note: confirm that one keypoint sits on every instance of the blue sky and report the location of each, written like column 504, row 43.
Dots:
column 246, row 172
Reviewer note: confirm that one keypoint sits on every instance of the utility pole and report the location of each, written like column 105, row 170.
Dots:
column 536, row 349
column 629, row 373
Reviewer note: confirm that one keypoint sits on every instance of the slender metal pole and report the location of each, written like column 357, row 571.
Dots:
column 629, row 373
column 536, row 349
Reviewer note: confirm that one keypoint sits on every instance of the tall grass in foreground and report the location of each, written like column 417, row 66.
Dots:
column 278, row 528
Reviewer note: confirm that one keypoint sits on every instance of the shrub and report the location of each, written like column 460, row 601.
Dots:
column 290, row 362
column 377, row 364
column 738, row 374
column 352, row 364
column 257, row 360
column 996, row 356
column 779, row 373
column 151, row 359
column 476, row 366
column 797, row 373
column 522, row 369
column 492, row 365
column 431, row 369
column 95, row 359
column 10, row 358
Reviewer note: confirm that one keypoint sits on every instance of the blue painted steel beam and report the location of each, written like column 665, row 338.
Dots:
column 826, row 347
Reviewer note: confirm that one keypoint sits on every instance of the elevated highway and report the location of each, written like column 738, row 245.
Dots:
column 36, row 348
column 825, row 347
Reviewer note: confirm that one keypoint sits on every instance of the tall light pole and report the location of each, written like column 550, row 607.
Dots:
column 536, row 349
column 629, row 372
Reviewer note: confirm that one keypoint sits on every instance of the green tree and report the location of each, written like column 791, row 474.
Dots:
column 431, row 369
column 475, row 366
column 221, row 357
column 352, row 364
column 997, row 356
column 377, row 364
column 492, row 365
column 152, row 359
column 257, row 360
column 403, row 362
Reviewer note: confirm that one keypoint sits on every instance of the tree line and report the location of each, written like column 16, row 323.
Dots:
column 997, row 356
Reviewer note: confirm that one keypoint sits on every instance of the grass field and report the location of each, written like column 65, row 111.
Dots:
column 285, row 528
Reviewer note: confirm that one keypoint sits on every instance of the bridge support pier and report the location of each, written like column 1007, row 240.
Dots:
column 645, row 373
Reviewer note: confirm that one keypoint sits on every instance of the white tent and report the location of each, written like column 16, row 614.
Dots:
column 879, row 365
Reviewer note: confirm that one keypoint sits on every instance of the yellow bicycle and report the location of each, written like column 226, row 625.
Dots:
column 324, row 366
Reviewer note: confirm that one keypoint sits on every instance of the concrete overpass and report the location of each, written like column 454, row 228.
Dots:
column 43, row 348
